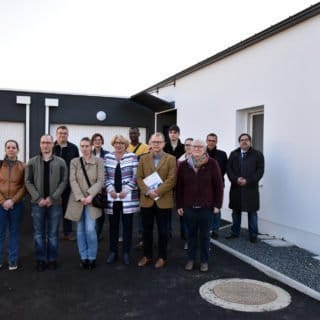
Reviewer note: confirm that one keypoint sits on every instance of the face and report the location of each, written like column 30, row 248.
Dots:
column 62, row 136
column 46, row 145
column 174, row 135
column 198, row 149
column 245, row 143
column 157, row 143
column 188, row 146
column 134, row 135
column 97, row 142
column 85, row 148
column 211, row 142
column 119, row 146
column 11, row 150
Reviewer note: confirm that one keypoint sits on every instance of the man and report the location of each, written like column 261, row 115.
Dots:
column 67, row 151
column 46, row 178
column 222, row 159
column 138, row 148
column 174, row 145
column 245, row 168
column 156, row 201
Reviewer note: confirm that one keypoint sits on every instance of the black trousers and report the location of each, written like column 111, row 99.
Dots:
column 162, row 219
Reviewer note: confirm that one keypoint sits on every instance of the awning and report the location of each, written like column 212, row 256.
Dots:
column 153, row 103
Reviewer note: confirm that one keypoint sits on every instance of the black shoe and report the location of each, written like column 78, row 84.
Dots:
column 126, row 259
column 41, row 266
column 84, row 264
column 214, row 235
column 91, row 264
column 112, row 257
column 52, row 265
column 253, row 239
column 231, row 236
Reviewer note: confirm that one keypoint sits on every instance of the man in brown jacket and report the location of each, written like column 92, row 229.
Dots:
column 156, row 201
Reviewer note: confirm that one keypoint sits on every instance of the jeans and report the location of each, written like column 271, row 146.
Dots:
column 100, row 223
column 216, row 218
column 127, row 222
column 67, row 224
column 46, row 227
column 87, row 239
column 12, row 219
column 252, row 223
column 198, row 222
column 162, row 220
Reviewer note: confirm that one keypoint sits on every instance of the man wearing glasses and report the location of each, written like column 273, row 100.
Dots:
column 157, row 201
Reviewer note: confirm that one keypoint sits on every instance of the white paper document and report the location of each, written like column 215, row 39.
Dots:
column 153, row 180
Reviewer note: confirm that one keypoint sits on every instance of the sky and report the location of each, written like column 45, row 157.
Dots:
column 121, row 47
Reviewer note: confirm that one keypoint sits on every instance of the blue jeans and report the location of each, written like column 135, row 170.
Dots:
column 12, row 219
column 216, row 217
column 87, row 239
column 198, row 221
column 252, row 223
column 46, row 228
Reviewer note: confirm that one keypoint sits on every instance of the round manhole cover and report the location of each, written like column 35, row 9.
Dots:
column 245, row 295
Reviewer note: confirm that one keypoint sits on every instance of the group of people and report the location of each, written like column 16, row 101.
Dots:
column 149, row 180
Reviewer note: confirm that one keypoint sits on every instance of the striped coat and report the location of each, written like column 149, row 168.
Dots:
column 128, row 165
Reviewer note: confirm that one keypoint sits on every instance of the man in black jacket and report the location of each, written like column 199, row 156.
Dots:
column 222, row 159
column 67, row 151
column 245, row 168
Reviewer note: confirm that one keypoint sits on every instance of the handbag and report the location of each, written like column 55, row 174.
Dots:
column 99, row 200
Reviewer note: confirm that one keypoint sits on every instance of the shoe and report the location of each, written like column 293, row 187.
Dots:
column 139, row 245
column 214, row 235
column 1, row 265
column 120, row 239
column 204, row 267
column 189, row 265
column 231, row 236
column 144, row 261
column 52, row 265
column 126, row 259
column 253, row 239
column 91, row 264
column 185, row 246
column 13, row 266
column 69, row 237
column 160, row 263
column 112, row 258
column 84, row 263
column 41, row 266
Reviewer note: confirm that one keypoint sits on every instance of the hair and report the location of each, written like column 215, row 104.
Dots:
column 121, row 138
column 188, row 139
column 174, row 127
column 47, row 136
column 135, row 128
column 86, row 139
column 157, row 134
column 13, row 141
column 199, row 141
column 211, row 134
column 244, row 134
column 63, row 127
column 95, row 136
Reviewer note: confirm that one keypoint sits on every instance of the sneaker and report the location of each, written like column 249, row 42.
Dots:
column 189, row 265
column 185, row 246
column 1, row 265
column 120, row 239
column 204, row 267
column 13, row 266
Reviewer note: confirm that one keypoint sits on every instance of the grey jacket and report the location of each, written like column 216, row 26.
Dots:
column 34, row 178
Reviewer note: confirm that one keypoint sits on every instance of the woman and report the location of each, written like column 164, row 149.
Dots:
column 121, row 186
column 12, row 191
column 97, row 141
column 199, row 194
column 80, row 206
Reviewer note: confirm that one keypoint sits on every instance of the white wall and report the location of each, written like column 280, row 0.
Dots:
column 281, row 74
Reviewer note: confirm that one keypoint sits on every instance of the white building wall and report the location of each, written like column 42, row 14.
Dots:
column 282, row 75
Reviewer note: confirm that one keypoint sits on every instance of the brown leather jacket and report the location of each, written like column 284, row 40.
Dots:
column 12, row 182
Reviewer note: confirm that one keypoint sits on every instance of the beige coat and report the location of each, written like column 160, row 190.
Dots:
column 80, row 188
column 166, row 170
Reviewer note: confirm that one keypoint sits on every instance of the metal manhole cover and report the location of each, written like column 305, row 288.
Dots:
column 245, row 295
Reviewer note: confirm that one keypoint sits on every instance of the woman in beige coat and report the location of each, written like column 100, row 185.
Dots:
column 80, row 208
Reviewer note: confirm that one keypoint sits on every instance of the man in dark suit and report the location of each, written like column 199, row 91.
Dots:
column 245, row 168
column 156, row 201
column 222, row 159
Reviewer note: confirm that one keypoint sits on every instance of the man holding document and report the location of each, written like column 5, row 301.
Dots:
column 156, row 179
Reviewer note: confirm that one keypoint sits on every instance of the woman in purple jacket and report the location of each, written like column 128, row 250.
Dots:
column 199, row 193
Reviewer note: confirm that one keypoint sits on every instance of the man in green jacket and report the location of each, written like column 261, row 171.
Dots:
column 46, row 178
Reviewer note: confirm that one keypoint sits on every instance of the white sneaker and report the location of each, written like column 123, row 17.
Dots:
column 13, row 266
column 185, row 246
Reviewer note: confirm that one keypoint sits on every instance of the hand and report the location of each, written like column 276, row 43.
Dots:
column 180, row 212
column 122, row 195
column 153, row 194
column 49, row 202
column 8, row 204
column 42, row 202
column 242, row 181
column 113, row 195
column 216, row 210
column 89, row 199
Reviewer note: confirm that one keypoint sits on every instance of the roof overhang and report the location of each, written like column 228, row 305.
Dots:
column 151, row 102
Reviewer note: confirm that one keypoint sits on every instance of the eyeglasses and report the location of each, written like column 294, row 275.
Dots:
column 119, row 142
column 197, row 147
column 211, row 140
column 188, row 145
column 156, row 142
column 46, row 142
